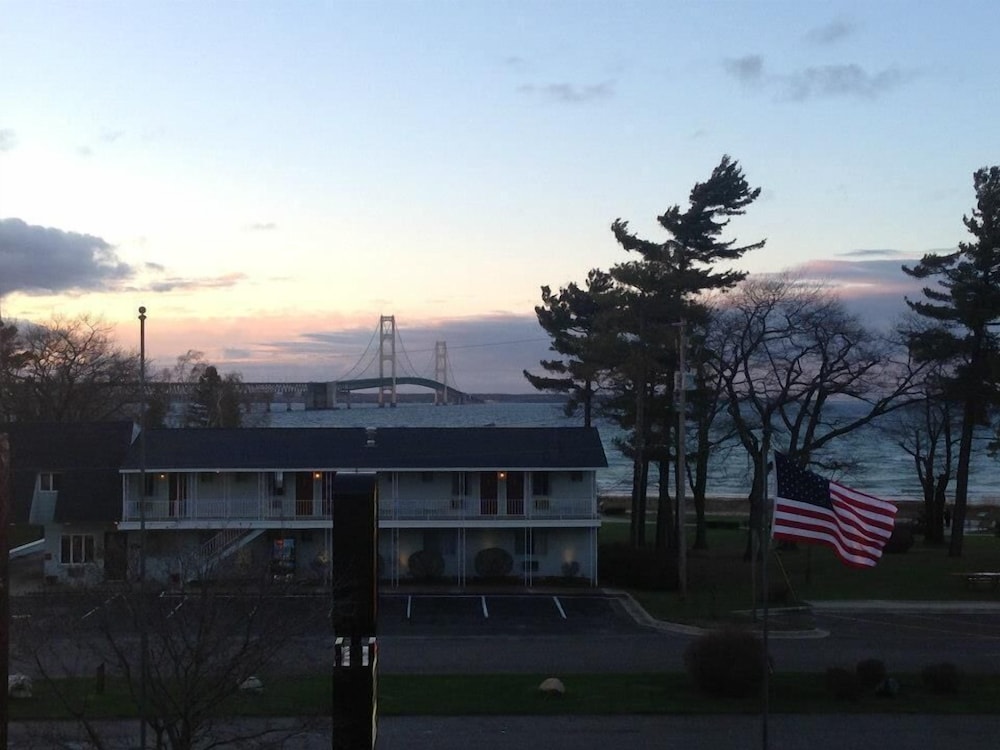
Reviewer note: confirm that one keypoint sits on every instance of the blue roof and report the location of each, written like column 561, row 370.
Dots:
column 387, row 448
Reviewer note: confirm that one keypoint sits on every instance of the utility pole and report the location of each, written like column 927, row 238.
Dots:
column 680, row 384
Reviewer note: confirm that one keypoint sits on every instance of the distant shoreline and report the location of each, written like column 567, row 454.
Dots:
column 736, row 505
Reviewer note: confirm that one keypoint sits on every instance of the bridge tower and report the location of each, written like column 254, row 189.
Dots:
column 441, row 372
column 387, row 340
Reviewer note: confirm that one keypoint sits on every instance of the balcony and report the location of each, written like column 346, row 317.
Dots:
column 401, row 509
column 228, row 509
column 475, row 509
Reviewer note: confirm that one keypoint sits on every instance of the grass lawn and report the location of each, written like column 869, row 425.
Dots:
column 720, row 582
column 586, row 694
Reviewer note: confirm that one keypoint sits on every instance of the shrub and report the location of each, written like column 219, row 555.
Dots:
column 901, row 539
column 727, row 663
column 941, row 678
column 870, row 672
column 493, row 562
column 843, row 684
column 425, row 565
column 623, row 565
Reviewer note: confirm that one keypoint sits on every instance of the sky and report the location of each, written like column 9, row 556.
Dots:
column 270, row 178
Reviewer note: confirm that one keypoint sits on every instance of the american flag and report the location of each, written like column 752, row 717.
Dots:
column 809, row 508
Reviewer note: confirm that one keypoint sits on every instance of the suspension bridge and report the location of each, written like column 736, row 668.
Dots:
column 383, row 367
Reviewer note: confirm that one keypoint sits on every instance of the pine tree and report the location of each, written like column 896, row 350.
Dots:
column 965, row 307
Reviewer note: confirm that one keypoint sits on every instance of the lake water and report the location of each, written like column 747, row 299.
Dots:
column 883, row 469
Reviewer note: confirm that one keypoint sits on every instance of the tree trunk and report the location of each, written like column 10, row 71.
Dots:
column 665, row 522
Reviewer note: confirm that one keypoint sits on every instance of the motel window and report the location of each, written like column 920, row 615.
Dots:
column 576, row 476
column 49, row 481
column 76, row 549
column 540, row 483
column 459, row 483
column 149, row 485
column 427, row 477
column 207, row 477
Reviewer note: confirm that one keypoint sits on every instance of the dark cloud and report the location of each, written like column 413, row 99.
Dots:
column 568, row 93
column 485, row 354
column 825, row 81
column 7, row 139
column 831, row 32
column 44, row 260
column 748, row 69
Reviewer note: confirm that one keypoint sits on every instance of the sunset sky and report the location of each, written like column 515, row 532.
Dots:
column 268, row 178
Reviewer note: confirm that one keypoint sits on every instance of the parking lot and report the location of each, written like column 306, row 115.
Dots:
column 500, row 613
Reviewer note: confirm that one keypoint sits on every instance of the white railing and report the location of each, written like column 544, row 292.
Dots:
column 229, row 509
column 415, row 509
column 400, row 509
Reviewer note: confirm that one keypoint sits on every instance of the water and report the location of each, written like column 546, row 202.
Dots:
column 882, row 468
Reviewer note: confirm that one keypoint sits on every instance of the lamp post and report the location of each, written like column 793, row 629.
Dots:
column 143, row 635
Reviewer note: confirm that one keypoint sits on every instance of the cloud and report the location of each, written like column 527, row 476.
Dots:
column 486, row 354
column 7, row 139
column 568, row 93
column 871, row 254
column 748, row 69
column 43, row 260
column 110, row 136
column 842, row 80
column 824, row 81
column 268, row 226
column 831, row 32
column 875, row 290
column 178, row 284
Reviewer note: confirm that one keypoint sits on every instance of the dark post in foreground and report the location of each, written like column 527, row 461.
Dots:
column 354, row 567
column 5, row 495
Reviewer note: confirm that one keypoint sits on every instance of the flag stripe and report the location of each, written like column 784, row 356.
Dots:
column 798, row 518
column 808, row 508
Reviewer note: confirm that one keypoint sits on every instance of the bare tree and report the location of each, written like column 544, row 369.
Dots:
column 785, row 354
column 70, row 370
column 203, row 644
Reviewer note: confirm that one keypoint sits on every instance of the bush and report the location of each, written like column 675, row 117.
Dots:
column 425, row 565
column 843, row 684
column 726, row 663
column 941, row 678
column 901, row 539
column 870, row 672
column 493, row 562
column 623, row 565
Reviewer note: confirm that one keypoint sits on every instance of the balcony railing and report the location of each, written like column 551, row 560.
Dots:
column 411, row 509
column 400, row 509
column 227, row 509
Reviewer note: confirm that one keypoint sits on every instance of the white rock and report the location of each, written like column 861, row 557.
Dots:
column 552, row 686
column 252, row 685
column 18, row 686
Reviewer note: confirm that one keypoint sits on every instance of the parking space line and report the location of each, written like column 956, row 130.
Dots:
column 562, row 612
column 486, row 612
column 409, row 606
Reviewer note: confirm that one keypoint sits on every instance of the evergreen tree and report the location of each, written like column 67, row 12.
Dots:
column 965, row 306
column 661, row 291
column 573, row 320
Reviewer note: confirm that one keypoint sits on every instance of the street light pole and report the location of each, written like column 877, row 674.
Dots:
column 143, row 635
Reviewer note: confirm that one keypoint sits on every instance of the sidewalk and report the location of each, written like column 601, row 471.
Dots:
column 708, row 732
